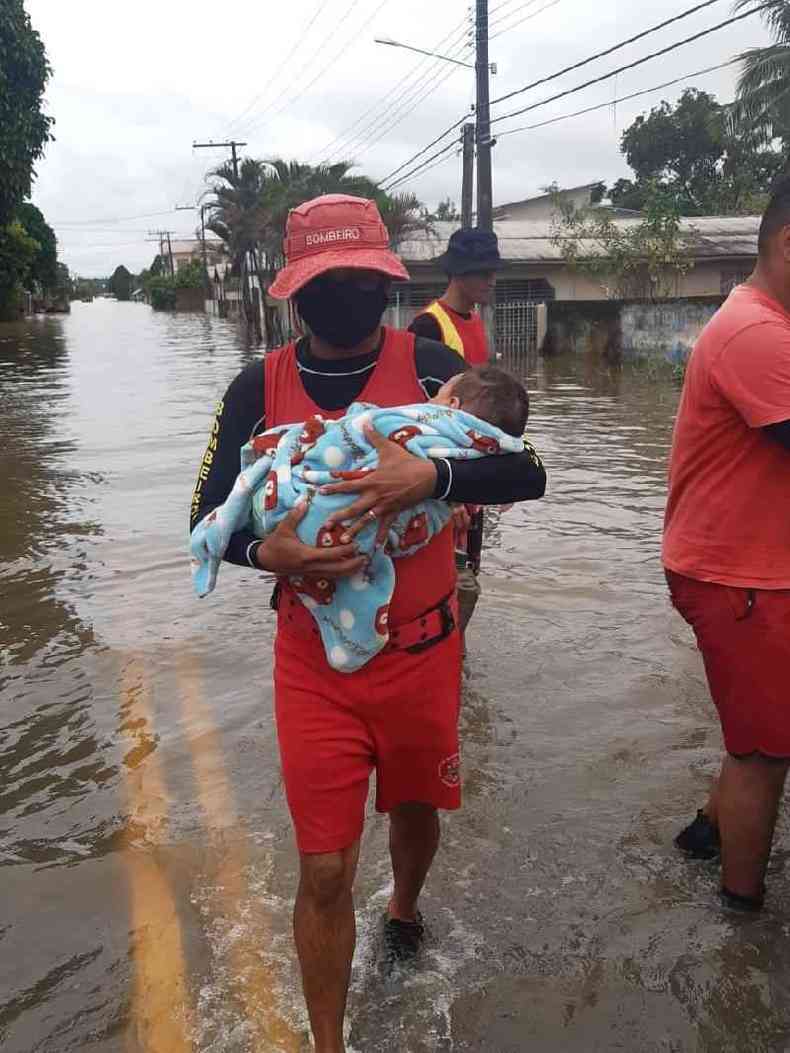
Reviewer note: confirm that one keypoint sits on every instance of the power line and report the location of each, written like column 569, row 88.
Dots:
column 326, row 152
column 526, row 18
column 425, row 149
column 602, row 54
column 118, row 219
column 633, row 65
column 623, row 98
column 409, row 106
column 384, row 113
column 493, row 22
column 301, row 36
column 439, row 153
column 428, row 168
column 322, row 71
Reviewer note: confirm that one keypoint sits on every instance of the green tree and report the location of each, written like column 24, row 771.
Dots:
column 44, row 268
column 24, row 127
column 120, row 284
column 446, row 212
column 635, row 260
column 17, row 252
column 762, row 108
column 249, row 211
column 695, row 153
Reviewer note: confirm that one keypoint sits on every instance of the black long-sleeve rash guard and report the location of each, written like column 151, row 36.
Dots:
column 334, row 385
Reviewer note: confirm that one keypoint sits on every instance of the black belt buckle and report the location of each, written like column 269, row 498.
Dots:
column 447, row 620
column 447, row 616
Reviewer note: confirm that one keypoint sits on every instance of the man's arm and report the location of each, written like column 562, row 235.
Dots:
column 489, row 480
column 779, row 432
column 426, row 326
column 239, row 415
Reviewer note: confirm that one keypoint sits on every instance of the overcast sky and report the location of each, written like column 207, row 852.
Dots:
column 132, row 90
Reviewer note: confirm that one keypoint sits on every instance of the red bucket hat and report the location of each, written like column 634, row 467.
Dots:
column 335, row 230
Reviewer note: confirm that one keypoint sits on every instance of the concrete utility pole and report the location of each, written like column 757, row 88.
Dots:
column 467, row 180
column 231, row 144
column 485, row 203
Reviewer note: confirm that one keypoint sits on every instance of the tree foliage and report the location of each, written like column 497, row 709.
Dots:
column 44, row 266
column 762, row 108
column 640, row 259
column 693, row 151
column 24, row 128
column 120, row 284
column 17, row 252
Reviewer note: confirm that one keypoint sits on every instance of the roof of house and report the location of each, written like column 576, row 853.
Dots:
column 501, row 210
column 181, row 248
column 531, row 240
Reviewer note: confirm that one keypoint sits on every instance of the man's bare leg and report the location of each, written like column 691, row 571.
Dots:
column 325, row 933
column 414, row 838
column 749, row 792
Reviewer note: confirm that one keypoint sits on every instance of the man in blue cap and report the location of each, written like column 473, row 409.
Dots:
column 471, row 263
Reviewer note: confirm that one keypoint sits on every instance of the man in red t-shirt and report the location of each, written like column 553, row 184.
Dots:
column 727, row 553
column 471, row 263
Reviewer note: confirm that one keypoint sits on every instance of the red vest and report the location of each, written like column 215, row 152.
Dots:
column 467, row 336
column 426, row 578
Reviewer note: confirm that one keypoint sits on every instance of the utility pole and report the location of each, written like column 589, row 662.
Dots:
column 163, row 235
column 202, row 210
column 232, row 144
column 485, row 203
column 467, row 180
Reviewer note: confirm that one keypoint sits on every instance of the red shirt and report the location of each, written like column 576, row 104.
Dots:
column 728, row 513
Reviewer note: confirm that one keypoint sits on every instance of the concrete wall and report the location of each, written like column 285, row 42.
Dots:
column 666, row 330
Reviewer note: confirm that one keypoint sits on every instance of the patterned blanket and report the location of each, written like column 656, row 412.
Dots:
column 286, row 465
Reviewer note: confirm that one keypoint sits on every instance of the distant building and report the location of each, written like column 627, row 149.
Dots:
column 186, row 252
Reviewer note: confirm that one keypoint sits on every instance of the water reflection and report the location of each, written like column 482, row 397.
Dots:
column 148, row 865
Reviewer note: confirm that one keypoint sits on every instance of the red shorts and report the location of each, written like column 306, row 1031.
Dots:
column 744, row 637
column 398, row 714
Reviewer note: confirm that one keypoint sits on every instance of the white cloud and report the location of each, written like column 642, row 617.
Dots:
column 134, row 86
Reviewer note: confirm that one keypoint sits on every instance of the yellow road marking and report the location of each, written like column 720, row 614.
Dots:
column 160, row 1011
column 255, row 982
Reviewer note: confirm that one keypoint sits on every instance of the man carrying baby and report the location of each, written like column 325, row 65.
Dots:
column 399, row 713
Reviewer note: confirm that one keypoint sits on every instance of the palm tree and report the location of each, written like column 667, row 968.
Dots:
column 249, row 212
column 762, row 106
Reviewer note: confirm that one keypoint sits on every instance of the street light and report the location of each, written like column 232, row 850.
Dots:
column 433, row 54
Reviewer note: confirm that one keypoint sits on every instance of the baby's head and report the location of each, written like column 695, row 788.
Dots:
column 491, row 394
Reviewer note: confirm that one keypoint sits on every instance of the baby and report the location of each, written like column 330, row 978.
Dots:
column 481, row 412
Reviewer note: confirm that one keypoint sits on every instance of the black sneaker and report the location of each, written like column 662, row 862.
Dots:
column 741, row 904
column 700, row 839
column 402, row 939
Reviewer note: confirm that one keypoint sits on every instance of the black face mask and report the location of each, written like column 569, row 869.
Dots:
column 342, row 312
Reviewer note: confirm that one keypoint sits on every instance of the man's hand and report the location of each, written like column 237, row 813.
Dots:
column 400, row 481
column 283, row 553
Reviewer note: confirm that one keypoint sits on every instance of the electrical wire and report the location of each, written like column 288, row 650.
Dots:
column 327, row 151
column 409, row 106
column 622, row 98
column 494, row 22
column 254, row 120
column 439, row 153
column 343, row 48
column 633, row 65
column 118, row 219
column 428, row 168
column 526, row 18
column 301, row 36
column 608, row 51
column 424, row 150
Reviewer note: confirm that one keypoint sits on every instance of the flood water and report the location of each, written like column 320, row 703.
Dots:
column 146, row 862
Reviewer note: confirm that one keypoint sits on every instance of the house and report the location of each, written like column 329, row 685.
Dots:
column 186, row 252
column 721, row 251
